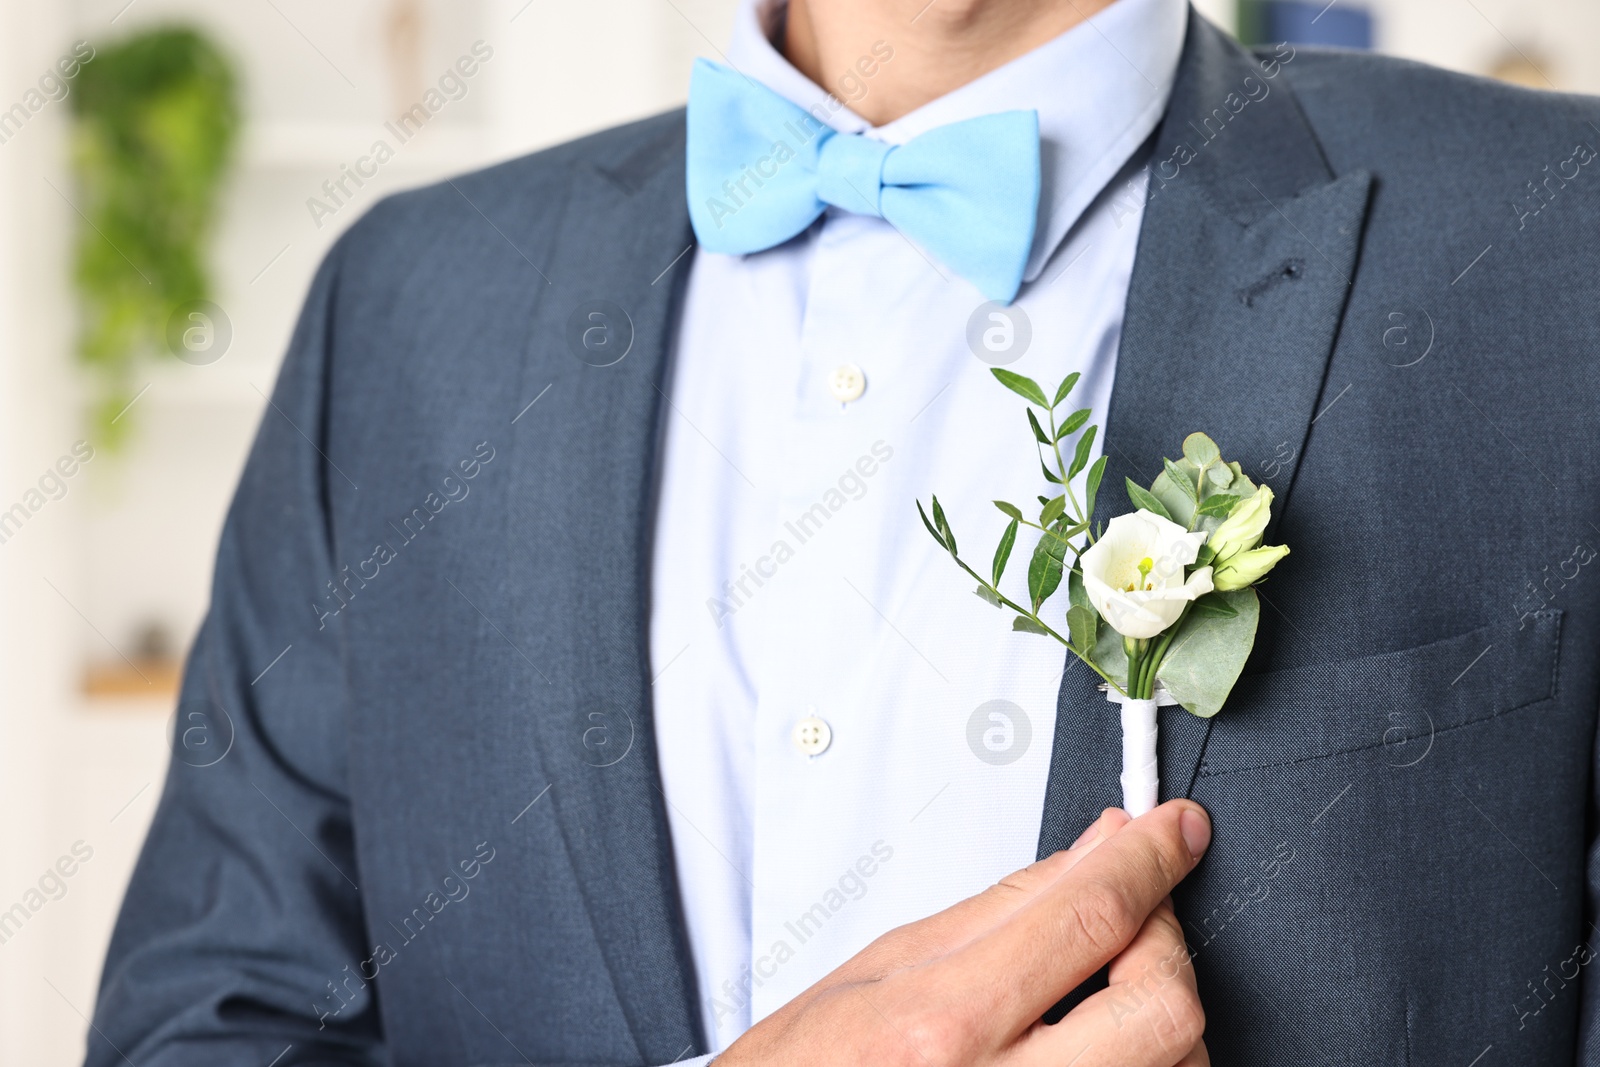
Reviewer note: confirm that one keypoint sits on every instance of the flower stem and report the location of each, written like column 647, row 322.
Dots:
column 1020, row 610
column 1152, row 663
column 1199, row 495
column 1061, row 469
column 1064, row 538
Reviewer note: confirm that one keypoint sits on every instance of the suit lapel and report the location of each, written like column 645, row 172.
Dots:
column 1246, row 255
column 577, row 581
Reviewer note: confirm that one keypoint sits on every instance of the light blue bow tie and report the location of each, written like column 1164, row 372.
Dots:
column 762, row 169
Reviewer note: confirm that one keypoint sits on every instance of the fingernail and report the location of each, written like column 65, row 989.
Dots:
column 1196, row 830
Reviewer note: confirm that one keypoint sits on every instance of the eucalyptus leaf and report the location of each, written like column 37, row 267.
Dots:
column 1023, row 624
column 1220, row 475
column 1209, row 652
column 1240, row 488
column 1182, row 508
column 1002, row 552
column 1110, row 656
column 1241, row 485
column 1180, row 478
column 1170, row 490
column 1219, row 504
column 1081, row 623
column 1066, row 387
column 1143, row 498
column 1038, row 431
column 1026, row 388
column 1081, row 459
column 1214, row 605
column 1201, row 450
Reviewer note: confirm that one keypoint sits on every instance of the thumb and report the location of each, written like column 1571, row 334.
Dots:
column 947, row 930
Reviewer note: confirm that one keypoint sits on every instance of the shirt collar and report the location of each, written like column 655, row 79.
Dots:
column 1100, row 90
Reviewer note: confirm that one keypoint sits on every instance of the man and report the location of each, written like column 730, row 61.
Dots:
column 586, row 692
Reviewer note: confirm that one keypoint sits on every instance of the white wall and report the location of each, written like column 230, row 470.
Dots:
column 134, row 536
column 40, row 770
column 1558, row 35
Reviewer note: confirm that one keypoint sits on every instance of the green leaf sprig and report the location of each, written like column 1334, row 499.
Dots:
column 1062, row 519
column 1199, row 656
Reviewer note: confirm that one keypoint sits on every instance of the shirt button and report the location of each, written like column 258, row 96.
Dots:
column 812, row 736
column 846, row 382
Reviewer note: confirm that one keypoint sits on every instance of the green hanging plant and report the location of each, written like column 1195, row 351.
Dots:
column 156, row 118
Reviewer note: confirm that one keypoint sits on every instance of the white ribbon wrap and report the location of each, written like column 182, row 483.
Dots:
column 1141, row 779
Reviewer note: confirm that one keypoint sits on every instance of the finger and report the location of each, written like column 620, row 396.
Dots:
column 957, row 925
column 1198, row 1057
column 1137, row 968
column 973, row 916
column 1086, row 917
column 1149, row 1016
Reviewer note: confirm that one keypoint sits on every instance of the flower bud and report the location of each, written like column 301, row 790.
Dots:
column 1247, row 568
column 1241, row 530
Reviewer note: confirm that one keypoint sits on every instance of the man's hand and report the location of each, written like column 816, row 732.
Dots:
column 969, row 985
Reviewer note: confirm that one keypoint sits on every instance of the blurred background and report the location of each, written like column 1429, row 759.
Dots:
column 171, row 171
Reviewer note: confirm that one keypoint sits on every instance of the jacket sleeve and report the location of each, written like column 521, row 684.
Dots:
column 244, row 910
column 1585, row 957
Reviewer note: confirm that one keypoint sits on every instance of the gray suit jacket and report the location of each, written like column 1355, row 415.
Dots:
column 384, row 838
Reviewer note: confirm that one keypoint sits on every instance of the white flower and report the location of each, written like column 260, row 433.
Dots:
column 1134, row 573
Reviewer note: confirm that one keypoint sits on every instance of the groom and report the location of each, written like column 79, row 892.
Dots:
column 580, row 688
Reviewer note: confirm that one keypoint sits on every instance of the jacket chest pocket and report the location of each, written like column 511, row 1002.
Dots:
column 1400, row 700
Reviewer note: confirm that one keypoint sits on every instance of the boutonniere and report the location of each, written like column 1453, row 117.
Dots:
column 1159, row 601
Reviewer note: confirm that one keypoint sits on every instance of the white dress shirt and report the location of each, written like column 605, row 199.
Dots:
column 832, row 759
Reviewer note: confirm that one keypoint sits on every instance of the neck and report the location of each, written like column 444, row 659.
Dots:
column 936, row 47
